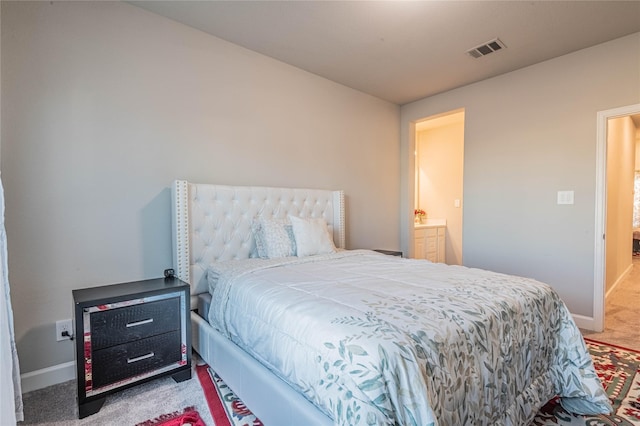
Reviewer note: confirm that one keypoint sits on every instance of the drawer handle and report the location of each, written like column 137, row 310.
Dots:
column 137, row 323
column 139, row 358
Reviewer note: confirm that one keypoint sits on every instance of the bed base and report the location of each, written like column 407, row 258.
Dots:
column 272, row 400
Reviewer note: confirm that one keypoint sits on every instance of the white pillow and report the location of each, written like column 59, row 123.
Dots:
column 312, row 236
column 274, row 238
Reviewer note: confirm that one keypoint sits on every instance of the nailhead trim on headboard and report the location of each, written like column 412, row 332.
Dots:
column 339, row 213
column 181, row 229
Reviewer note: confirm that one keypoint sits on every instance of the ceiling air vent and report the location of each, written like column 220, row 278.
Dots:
column 486, row 48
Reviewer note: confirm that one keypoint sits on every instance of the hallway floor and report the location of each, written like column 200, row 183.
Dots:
column 622, row 313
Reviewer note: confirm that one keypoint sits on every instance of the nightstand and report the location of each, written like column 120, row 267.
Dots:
column 130, row 333
column 389, row 252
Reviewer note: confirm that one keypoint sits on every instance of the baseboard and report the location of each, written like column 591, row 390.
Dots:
column 584, row 322
column 621, row 278
column 44, row 377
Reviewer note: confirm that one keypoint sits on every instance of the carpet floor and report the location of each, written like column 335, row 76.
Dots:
column 56, row 405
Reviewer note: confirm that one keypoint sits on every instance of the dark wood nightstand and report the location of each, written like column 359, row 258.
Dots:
column 389, row 252
column 129, row 333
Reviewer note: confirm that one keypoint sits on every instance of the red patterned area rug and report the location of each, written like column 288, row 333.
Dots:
column 618, row 368
column 619, row 371
column 187, row 417
column 226, row 408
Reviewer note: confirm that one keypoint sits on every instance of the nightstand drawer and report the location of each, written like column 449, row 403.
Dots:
column 134, row 358
column 117, row 326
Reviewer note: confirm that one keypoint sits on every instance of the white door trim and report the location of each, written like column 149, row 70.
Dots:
column 601, row 209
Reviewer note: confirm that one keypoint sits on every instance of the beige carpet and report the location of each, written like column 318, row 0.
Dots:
column 622, row 322
column 56, row 405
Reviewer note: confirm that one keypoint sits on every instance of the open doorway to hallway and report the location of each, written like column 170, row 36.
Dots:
column 623, row 160
column 616, row 272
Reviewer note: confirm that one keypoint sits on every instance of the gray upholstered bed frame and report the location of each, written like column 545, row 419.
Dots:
column 213, row 223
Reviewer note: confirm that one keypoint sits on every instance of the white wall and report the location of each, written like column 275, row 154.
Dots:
column 105, row 104
column 529, row 134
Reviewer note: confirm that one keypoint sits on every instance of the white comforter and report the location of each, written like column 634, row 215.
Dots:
column 374, row 339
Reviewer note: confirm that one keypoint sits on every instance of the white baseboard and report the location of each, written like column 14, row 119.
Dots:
column 587, row 323
column 44, row 377
column 621, row 278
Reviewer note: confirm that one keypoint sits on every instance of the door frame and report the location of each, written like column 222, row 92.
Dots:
column 601, row 209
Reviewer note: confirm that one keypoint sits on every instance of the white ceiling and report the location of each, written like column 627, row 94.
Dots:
column 402, row 51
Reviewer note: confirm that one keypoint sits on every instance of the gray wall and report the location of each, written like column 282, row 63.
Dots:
column 105, row 104
column 529, row 134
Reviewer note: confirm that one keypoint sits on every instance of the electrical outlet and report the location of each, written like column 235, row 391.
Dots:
column 61, row 327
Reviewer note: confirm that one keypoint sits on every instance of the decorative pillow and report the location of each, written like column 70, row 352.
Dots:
column 311, row 236
column 256, row 230
column 274, row 238
column 292, row 238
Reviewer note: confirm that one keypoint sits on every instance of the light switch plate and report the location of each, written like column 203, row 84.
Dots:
column 565, row 197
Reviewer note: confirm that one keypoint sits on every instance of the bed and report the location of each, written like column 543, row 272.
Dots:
column 316, row 334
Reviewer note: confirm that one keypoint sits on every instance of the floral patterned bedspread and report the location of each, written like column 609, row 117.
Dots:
column 379, row 340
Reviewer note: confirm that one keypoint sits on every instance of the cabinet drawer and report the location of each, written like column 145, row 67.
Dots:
column 121, row 325
column 131, row 359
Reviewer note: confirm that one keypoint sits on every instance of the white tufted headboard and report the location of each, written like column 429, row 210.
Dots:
column 213, row 222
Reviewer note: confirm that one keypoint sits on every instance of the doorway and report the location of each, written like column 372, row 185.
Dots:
column 614, row 172
column 439, row 164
